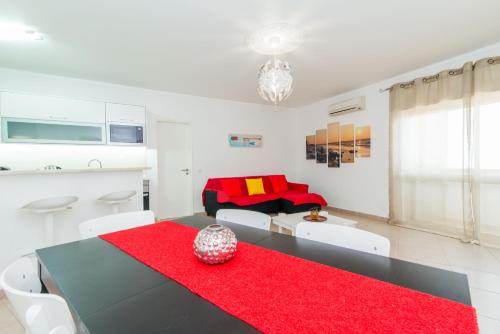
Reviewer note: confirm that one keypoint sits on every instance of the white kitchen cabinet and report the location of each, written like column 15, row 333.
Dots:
column 24, row 130
column 14, row 105
column 124, row 113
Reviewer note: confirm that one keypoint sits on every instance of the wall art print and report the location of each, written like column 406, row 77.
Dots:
column 311, row 147
column 333, row 145
column 239, row 140
column 347, row 143
column 321, row 155
column 363, row 141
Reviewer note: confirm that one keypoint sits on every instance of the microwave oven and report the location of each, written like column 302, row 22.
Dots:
column 125, row 134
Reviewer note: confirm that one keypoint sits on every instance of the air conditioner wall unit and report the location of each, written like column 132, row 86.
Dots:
column 347, row 106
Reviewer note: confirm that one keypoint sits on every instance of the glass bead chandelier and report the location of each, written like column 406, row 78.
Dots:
column 275, row 78
column 275, row 81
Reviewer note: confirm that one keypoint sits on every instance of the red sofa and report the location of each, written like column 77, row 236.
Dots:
column 291, row 197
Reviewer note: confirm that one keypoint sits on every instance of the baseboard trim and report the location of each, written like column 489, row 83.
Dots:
column 201, row 213
column 339, row 210
column 359, row 214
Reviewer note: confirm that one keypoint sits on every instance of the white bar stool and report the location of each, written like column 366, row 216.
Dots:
column 48, row 207
column 116, row 198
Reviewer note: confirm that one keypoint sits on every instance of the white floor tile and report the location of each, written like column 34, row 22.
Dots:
column 471, row 257
column 6, row 317
column 495, row 252
column 379, row 228
column 486, row 303
column 430, row 253
column 8, row 304
column 488, row 325
column 13, row 329
column 417, row 238
column 481, row 280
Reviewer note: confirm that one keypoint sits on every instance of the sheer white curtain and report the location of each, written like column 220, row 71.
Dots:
column 445, row 154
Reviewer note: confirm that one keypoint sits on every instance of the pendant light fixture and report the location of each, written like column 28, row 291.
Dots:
column 275, row 80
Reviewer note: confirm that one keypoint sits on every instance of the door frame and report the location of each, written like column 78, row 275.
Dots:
column 191, row 178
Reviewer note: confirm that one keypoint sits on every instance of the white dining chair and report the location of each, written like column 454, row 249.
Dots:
column 36, row 320
column 37, row 312
column 345, row 236
column 245, row 217
column 112, row 223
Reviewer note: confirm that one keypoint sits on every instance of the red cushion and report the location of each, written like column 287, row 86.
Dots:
column 289, row 192
column 232, row 187
column 302, row 188
column 298, row 198
column 279, row 183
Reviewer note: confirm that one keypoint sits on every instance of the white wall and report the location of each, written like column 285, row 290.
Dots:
column 211, row 121
column 363, row 185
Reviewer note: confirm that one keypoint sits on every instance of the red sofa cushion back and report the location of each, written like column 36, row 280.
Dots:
column 232, row 187
column 217, row 184
column 278, row 183
column 267, row 184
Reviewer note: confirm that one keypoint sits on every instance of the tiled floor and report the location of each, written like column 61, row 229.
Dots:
column 8, row 322
column 481, row 264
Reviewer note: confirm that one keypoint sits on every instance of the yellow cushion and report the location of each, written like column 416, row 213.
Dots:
column 255, row 186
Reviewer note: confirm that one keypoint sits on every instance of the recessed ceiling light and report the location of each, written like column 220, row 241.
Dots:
column 18, row 32
column 275, row 39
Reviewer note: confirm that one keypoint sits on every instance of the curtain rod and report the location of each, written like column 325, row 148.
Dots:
column 490, row 60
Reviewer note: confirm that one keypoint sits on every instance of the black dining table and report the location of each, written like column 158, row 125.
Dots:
column 110, row 292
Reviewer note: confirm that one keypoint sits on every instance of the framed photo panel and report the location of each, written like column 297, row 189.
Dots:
column 333, row 145
column 311, row 147
column 363, row 141
column 321, row 146
column 347, row 143
column 238, row 140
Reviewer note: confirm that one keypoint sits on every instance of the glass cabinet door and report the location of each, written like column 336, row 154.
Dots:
column 36, row 131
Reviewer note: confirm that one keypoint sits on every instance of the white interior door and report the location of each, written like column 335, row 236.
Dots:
column 175, row 188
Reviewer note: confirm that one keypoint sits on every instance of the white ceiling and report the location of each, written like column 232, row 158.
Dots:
column 198, row 47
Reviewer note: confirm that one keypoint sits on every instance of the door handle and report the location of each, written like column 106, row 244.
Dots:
column 185, row 170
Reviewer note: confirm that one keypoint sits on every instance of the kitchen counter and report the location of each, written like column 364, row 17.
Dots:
column 72, row 171
column 22, row 231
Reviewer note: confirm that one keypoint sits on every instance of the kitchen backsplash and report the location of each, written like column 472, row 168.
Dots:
column 36, row 156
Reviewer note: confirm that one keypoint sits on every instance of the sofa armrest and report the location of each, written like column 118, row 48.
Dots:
column 300, row 187
column 213, row 200
column 221, row 196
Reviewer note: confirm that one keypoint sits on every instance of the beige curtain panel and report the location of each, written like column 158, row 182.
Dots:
column 445, row 160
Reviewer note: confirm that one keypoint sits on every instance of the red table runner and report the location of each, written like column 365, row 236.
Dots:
column 278, row 293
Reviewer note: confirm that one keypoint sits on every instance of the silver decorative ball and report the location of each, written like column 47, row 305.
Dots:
column 215, row 244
